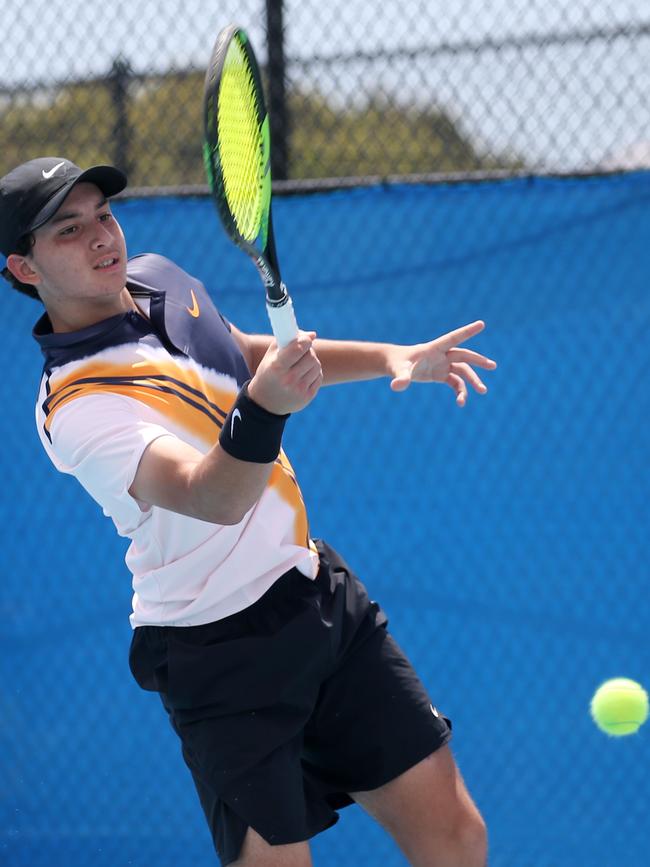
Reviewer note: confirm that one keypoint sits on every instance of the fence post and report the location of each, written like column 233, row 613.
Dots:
column 277, row 97
column 118, row 81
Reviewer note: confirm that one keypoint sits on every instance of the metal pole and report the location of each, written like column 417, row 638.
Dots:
column 277, row 96
column 119, row 83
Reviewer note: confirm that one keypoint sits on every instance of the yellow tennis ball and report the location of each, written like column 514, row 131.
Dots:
column 620, row 706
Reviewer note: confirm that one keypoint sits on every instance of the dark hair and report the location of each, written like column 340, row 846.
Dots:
column 23, row 248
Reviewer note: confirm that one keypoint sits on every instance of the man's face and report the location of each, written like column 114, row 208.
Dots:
column 80, row 252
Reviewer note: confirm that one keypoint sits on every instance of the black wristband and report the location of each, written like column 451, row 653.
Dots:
column 250, row 432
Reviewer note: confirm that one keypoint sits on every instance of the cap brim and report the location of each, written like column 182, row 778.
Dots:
column 109, row 180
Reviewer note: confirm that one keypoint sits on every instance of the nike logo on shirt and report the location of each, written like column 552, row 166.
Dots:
column 194, row 309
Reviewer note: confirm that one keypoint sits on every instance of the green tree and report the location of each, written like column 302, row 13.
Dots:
column 163, row 120
column 378, row 139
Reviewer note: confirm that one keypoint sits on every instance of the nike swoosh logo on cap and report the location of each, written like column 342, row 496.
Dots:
column 194, row 309
column 47, row 175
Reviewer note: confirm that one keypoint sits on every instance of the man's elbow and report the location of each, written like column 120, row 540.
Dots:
column 231, row 517
column 226, row 514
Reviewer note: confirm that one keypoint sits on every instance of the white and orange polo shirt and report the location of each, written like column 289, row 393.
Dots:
column 109, row 390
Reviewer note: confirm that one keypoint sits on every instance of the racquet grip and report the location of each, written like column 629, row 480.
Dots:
column 283, row 322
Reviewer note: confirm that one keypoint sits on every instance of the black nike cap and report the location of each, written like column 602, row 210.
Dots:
column 34, row 191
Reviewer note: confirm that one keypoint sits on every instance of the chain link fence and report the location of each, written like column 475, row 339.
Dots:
column 354, row 89
column 506, row 541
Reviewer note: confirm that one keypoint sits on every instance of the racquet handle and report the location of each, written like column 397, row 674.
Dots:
column 283, row 321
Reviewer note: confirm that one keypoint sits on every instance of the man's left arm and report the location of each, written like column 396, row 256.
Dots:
column 441, row 360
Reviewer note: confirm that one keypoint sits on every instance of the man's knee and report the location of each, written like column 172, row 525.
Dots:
column 468, row 836
column 457, row 839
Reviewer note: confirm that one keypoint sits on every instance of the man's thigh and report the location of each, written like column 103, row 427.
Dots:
column 429, row 811
column 256, row 852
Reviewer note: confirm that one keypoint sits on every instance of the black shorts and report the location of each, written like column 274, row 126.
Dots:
column 285, row 708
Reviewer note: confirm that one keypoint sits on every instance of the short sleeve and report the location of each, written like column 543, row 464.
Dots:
column 100, row 439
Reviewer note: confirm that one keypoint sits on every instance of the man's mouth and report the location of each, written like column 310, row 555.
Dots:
column 106, row 263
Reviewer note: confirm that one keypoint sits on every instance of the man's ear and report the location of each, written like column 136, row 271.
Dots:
column 22, row 270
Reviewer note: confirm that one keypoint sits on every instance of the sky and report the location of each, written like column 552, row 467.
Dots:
column 581, row 104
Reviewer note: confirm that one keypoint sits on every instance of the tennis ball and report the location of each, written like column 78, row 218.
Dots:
column 619, row 706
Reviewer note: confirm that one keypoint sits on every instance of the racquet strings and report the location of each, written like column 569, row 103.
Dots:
column 241, row 143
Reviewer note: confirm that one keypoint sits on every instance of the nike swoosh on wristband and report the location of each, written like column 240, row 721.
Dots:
column 47, row 175
column 194, row 309
column 236, row 414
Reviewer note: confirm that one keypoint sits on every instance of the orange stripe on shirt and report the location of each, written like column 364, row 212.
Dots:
column 173, row 399
column 202, row 420
column 284, row 481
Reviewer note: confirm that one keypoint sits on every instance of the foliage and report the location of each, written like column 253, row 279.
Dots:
column 161, row 130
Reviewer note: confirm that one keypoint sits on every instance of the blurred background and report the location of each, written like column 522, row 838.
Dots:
column 434, row 163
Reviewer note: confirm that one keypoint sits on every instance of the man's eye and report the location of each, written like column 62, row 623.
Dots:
column 105, row 217
column 70, row 230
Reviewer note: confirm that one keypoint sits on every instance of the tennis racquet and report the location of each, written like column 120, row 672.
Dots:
column 237, row 157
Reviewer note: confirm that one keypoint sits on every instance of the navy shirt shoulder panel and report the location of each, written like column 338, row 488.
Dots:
column 189, row 319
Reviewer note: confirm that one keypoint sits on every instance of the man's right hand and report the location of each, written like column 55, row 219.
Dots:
column 287, row 379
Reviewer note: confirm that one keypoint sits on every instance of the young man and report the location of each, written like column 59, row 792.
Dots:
column 290, row 698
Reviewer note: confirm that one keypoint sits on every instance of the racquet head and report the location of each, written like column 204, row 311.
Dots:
column 236, row 146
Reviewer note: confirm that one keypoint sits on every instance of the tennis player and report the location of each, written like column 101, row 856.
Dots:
column 289, row 695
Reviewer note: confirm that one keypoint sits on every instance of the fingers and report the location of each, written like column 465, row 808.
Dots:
column 460, row 335
column 287, row 378
column 467, row 355
column 304, row 370
column 310, row 382
column 290, row 354
column 465, row 372
column 314, row 382
column 458, row 384
column 463, row 361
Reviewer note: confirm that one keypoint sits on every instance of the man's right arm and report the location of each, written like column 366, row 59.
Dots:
column 214, row 487
column 218, row 487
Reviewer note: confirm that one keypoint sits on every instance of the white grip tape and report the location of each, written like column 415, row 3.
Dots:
column 283, row 322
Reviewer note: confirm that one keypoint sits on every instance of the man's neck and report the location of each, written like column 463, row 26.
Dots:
column 78, row 315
